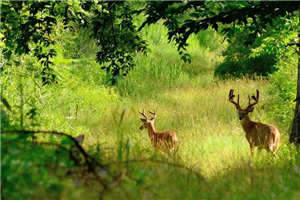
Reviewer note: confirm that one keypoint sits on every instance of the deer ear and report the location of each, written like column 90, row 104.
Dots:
column 143, row 120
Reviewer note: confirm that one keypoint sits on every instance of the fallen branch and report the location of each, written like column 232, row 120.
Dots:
column 89, row 160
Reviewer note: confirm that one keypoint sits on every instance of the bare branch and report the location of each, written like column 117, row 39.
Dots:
column 89, row 160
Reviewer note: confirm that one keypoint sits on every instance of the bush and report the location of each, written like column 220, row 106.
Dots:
column 229, row 68
column 76, row 43
column 262, row 65
column 283, row 86
column 258, row 55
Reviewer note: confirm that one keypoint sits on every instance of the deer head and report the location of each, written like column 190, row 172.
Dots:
column 147, row 122
column 243, row 112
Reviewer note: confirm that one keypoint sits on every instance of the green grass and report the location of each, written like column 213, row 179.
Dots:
column 212, row 142
column 190, row 101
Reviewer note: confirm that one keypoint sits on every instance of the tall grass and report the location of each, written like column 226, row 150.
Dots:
column 187, row 99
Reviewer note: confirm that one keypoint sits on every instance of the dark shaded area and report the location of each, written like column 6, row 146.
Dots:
column 262, row 65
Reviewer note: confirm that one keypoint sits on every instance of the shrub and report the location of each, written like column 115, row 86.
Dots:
column 260, row 54
column 283, row 89
column 262, row 65
column 229, row 68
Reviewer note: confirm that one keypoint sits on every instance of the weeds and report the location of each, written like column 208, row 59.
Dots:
column 189, row 100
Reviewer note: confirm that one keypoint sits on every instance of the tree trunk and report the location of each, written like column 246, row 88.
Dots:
column 295, row 134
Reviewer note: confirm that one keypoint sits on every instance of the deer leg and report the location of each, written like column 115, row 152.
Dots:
column 272, row 149
column 154, row 142
column 252, row 150
column 155, row 145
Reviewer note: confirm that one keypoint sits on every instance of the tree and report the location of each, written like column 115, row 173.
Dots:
column 295, row 134
column 28, row 28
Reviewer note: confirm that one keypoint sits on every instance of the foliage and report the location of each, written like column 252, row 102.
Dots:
column 184, row 19
column 31, row 103
column 116, row 38
column 75, row 42
column 262, row 65
column 29, row 26
column 211, row 40
column 115, row 31
column 283, row 85
column 50, row 160
column 20, row 86
column 261, row 55
column 213, row 160
column 34, row 170
column 26, row 169
column 164, row 64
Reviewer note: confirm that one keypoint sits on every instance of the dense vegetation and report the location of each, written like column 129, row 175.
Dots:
column 73, row 84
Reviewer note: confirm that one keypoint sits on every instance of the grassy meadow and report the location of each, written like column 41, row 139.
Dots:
column 187, row 99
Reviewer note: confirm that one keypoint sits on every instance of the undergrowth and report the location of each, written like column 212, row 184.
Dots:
column 187, row 99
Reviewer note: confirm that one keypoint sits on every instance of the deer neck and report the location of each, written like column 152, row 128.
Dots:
column 246, row 123
column 151, row 131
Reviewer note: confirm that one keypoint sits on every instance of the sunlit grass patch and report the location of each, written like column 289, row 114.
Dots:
column 191, row 102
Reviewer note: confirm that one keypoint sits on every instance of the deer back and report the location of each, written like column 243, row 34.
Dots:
column 262, row 135
column 165, row 138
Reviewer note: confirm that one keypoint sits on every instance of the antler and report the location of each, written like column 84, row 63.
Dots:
column 143, row 113
column 231, row 96
column 255, row 98
column 154, row 114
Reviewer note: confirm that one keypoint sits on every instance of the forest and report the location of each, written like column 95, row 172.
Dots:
column 150, row 100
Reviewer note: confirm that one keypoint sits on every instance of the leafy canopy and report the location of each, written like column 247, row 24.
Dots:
column 28, row 27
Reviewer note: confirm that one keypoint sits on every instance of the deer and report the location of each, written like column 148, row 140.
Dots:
column 163, row 140
column 263, row 136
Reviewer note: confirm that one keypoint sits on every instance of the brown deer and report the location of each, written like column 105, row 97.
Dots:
column 263, row 136
column 164, row 140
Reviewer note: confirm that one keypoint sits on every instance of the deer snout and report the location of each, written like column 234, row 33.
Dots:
column 242, row 115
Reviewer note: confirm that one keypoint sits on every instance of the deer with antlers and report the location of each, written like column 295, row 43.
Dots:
column 263, row 136
column 164, row 140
